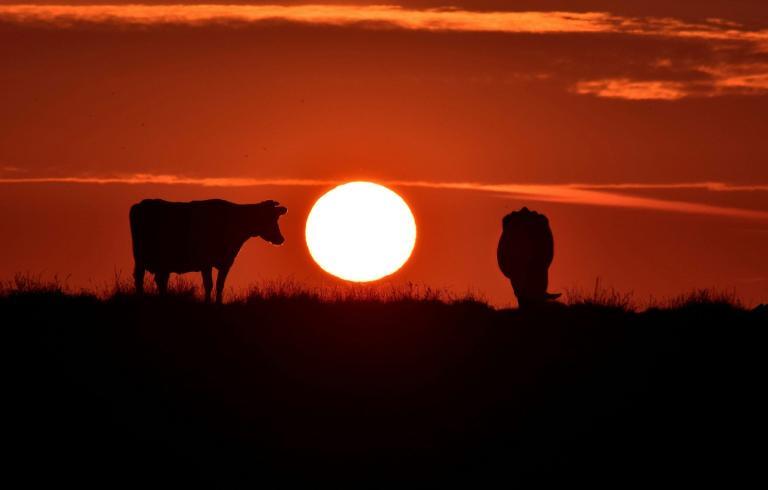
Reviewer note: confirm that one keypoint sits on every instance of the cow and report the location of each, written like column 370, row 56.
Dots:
column 525, row 251
column 177, row 237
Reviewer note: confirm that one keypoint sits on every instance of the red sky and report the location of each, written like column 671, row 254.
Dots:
column 640, row 130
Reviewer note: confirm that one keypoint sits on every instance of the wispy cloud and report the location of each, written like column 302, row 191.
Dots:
column 167, row 179
column 450, row 19
column 704, row 186
column 586, row 195
column 625, row 88
column 722, row 79
column 395, row 16
column 582, row 194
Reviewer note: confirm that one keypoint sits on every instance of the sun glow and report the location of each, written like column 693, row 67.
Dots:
column 360, row 231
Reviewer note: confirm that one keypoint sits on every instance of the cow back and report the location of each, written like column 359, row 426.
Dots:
column 184, row 237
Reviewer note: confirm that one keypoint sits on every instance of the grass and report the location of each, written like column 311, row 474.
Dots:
column 281, row 290
column 704, row 297
column 378, row 387
column 387, row 293
column 602, row 297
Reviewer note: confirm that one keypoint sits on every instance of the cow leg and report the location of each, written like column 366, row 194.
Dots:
column 530, row 286
column 523, row 288
column 519, row 289
column 161, row 279
column 138, row 278
column 220, row 278
column 538, row 278
column 207, row 283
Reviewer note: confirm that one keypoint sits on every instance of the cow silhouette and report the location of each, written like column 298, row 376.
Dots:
column 525, row 252
column 178, row 237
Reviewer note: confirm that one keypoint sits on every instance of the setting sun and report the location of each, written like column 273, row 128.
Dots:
column 360, row 231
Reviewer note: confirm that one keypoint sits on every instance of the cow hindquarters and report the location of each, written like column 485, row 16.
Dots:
column 530, row 284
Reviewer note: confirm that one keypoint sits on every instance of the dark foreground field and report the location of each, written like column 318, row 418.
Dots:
column 278, row 390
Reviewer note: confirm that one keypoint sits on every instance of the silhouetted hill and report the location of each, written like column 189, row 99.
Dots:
column 286, row 388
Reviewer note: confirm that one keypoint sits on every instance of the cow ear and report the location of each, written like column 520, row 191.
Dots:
column 281, row 210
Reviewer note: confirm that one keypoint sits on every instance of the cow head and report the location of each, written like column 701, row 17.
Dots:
column 268, row 227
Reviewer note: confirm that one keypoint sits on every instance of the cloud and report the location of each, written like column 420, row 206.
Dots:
column 448, row 19
column 723, row 79
column 704, row 186
column 582, row 194
column 395, row 16
column 739, row 77
column 625, row 88
column 166, row 179
column 734, row 60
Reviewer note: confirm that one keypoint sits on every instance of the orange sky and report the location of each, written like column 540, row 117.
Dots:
column 640, row 131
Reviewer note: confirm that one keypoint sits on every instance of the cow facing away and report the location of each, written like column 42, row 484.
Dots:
column 525, row 252
column 178, row 237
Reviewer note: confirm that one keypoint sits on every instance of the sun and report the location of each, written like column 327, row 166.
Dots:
column 360, row 231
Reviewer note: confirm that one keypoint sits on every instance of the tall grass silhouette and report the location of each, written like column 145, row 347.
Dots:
column 182, row 288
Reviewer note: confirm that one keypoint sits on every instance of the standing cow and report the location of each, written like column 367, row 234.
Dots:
column 192, row 236
column 524, row 254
